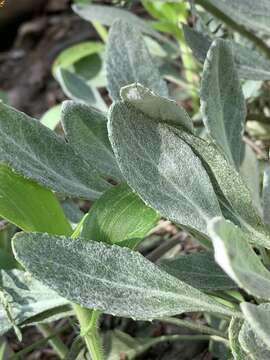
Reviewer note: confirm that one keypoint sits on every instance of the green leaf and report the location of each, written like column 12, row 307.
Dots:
column 72, row 54
column 252, row 344
column 222, row 101
column 86, row 131
column 112, row 279
column 248, row 13
column 51, row 117
column 198, row 270
column 77, row 89
column 266, row 194
column 237, row 258
column 30, row 206
column 118, row 215
column 251, row 65
column 25, row 296
column 162, row 168
column 155, row 106
column 258, row 318
column 124, row 66
column 106, row 15
column 39, row 154
column 234, row 329
column 7, row 261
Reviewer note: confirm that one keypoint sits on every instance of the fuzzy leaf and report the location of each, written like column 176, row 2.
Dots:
column 198, row 270
column 222, row 101
column 237, row 258
column 258, row 318
column 76, row 88
column 118, row 215
column 162, row 168
column 26, row 297
column 251, row 65
column 30, row 206
column 124, row 66
column 39, row 154
column 112, row 279
column 266, row 194
column 234, row 329
column 86, row 131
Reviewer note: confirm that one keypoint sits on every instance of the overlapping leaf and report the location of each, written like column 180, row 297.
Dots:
column 119, row 215
column 86, row 131
column 113, row 279
column 39, row 154
column 124, row 64
column 234, row 330
column 222, row 101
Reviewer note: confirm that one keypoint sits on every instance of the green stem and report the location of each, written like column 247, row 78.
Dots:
column 88, row 320
column 54, row 340
column 235, row 26
column 194, row 326
column 101, row 30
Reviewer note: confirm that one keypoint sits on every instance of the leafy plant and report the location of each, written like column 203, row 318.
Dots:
column 138, row 161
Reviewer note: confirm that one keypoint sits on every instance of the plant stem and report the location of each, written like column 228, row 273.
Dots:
column 55, row 341
column 235, row 26
column 166, row 246
column 88, row 320
column 194, row 326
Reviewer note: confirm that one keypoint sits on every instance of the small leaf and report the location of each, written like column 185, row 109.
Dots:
column 77, row 89
column 51, row 117
column 118, row 215
column 258, row 318
column 162, row 168
column 222, row 101
column 86, row 131
column 30, row 206
column 112, row 279
column 124, row 65
column 237, row 258
column 252, row 344
column 198, row 270
column 26, row 298
column 234, row 329
column 251, row 65
column 38, row 153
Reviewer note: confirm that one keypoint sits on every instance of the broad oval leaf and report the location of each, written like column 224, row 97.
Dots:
column 112, row 279
column 237, row 258
column 30, row 206
column 162, row 168
column 123, row 64
column 26, row 297
column 118, row 215
column 258, row 318
column 198, row 270
column 38, row 153
column 251, row 65
column 222, row 101
column 86, row 131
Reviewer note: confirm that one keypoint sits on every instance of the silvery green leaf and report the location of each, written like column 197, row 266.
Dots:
column 119, row 215
column 228, row 184
column 162, row 168
column 76, row 88
column 258, row 318
column 248, row 13
column 198, row 270
column 234, row 329
column 251, row 65
column 266, row 194
column 252, row 344
column 106, row 15
column 222, row 101
column 155, row 106
column 86, row 131
column 112, row 279
column 38, row 153
column 26, row 297
column 126, row 52
column 237, row 258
